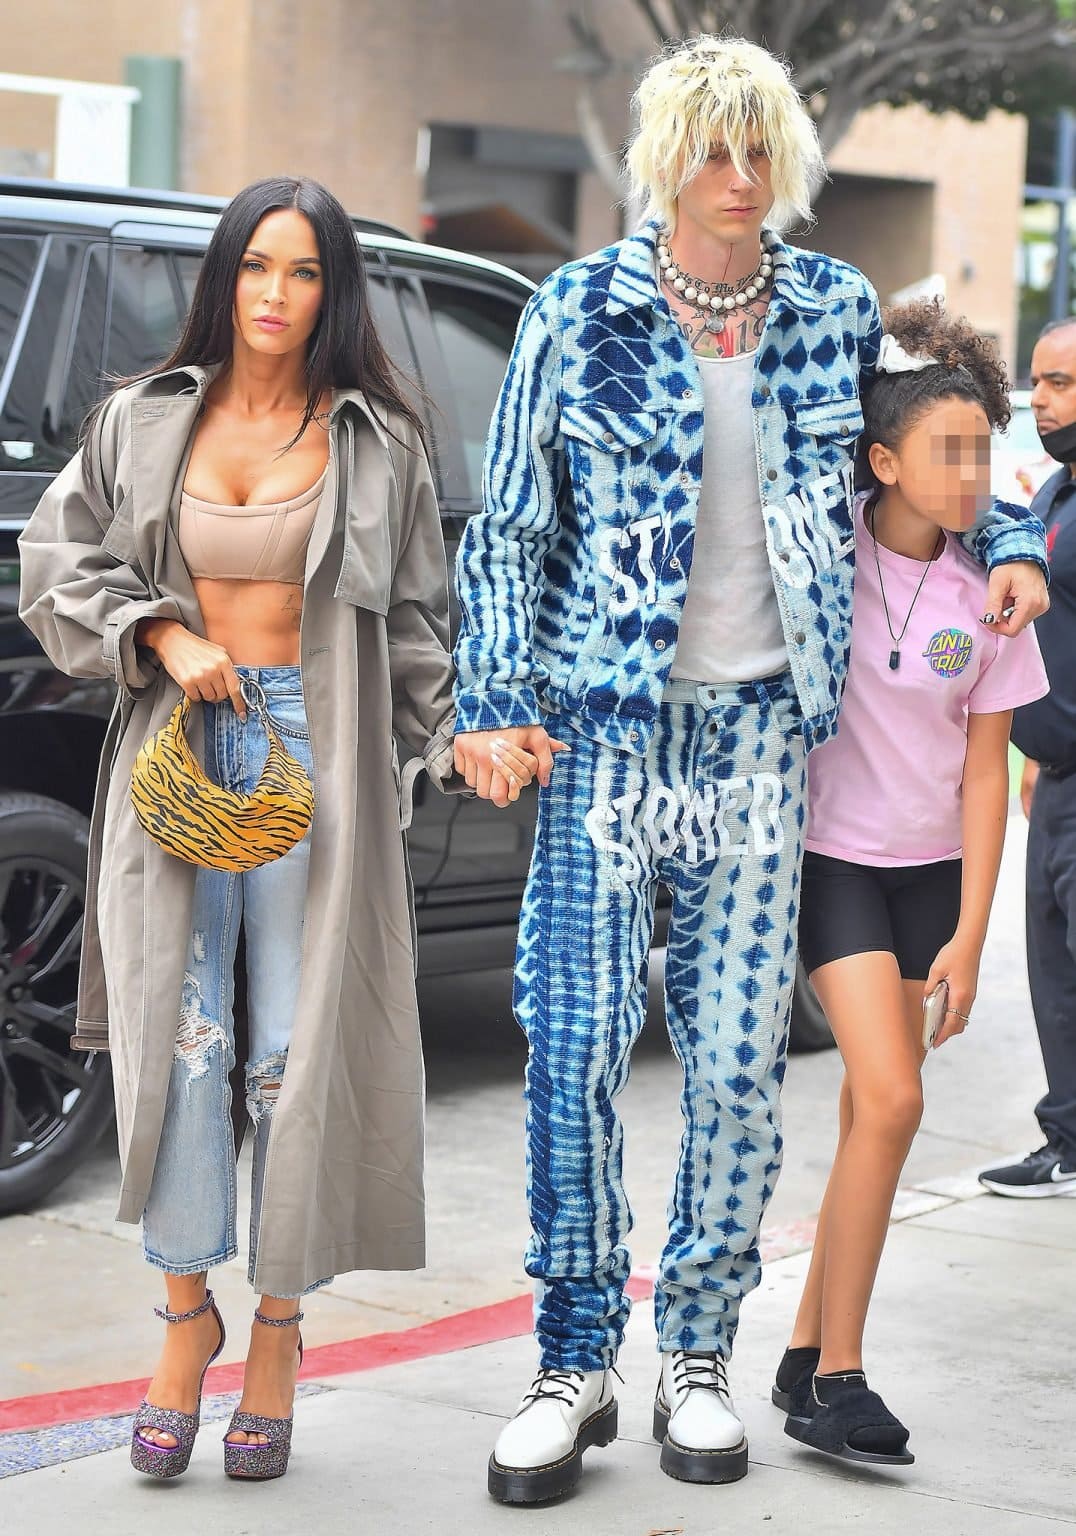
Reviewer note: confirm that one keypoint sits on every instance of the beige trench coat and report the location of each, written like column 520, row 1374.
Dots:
column 343, row 1178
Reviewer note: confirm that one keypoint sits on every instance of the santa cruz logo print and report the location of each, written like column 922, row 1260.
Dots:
column 949, row 652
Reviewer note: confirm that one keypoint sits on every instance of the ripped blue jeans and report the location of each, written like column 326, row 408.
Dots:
column 189, row 1223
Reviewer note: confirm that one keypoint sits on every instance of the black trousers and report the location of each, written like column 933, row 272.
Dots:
column 1051, row 952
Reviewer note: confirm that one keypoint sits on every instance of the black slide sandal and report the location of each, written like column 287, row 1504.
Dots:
column 792, row 1384
column 853, row 1425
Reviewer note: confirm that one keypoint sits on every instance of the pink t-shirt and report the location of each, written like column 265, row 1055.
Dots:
column 887, row 788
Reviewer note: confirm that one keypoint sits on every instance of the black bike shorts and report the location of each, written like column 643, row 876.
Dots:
column 911, row 911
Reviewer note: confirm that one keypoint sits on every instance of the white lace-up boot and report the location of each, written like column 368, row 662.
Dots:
column 702, row 1437
column 539, row 1453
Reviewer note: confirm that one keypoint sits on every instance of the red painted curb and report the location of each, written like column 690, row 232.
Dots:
column 464, row 1330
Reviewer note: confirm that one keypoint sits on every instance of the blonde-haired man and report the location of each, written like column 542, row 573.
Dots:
column 662, row 579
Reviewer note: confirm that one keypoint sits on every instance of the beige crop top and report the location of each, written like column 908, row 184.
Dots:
column 252, row 543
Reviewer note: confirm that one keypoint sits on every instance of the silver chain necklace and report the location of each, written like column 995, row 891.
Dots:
column 894, row 655
column 713, row 301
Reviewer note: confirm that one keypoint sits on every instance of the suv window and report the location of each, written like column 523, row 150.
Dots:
column 18, row 262
column 188, row 266
column 82, row 386
column 39, row 418
column 57, row 375
column 475, row 329
column 146, row 306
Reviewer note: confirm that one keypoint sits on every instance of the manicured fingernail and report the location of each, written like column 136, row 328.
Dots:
column 1007, row 613
column 989, row 618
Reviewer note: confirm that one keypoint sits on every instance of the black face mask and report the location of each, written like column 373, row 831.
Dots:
column 1061, row 445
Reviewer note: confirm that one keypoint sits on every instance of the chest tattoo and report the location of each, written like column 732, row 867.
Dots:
column 724, row 334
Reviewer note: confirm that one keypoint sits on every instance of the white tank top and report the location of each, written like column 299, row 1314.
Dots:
column 730, row 631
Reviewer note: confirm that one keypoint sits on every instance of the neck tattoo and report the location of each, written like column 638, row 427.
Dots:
column 714, row 301
column 894, row 655
column 717, row 319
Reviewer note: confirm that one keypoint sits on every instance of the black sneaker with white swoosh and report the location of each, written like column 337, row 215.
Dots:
column 1040, row 1175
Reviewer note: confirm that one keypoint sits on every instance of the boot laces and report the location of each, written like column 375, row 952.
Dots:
column 706, row 1373
column 555, row 1386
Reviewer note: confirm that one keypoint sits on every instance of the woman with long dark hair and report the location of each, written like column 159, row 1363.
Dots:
column 252, row 527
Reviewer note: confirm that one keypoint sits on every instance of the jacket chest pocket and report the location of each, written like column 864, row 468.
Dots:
column 605, row 447
column 833, row 427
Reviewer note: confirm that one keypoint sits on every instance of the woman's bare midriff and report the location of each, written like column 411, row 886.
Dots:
column 256, row 622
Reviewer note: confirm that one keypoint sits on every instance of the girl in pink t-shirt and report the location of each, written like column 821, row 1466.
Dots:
column 908, row 804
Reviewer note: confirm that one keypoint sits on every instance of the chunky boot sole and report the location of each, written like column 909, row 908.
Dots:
column 689, row 1466
column 536, row 1485
column 800, row 1429
column 782, row 1400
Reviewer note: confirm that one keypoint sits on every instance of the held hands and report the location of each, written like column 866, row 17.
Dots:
column 1019, row 587
column 958, row 964
column 498, row 764
column 203, row 670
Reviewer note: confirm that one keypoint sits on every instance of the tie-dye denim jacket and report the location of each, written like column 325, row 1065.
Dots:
column 572, row 580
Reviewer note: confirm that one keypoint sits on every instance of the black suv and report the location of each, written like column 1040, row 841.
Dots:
column 95, row 284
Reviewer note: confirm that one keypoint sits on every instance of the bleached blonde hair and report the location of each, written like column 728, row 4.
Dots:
column 722, row 91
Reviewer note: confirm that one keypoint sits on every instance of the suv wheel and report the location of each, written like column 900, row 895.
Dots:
column 54, row 1102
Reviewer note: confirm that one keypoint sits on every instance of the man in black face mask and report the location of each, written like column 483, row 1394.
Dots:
column 1046, row 733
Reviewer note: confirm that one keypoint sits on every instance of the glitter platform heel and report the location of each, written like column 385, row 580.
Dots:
column 258, row 1463
column 170, row 1460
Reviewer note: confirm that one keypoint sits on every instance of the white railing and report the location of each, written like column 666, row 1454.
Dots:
column 93, row 127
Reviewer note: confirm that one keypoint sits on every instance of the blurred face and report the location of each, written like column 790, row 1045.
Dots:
column 942, row 464
column 1053, row 379
column 279, row 290
column 726, row 205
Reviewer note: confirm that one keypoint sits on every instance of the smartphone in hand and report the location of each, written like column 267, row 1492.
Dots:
column 935, row 1005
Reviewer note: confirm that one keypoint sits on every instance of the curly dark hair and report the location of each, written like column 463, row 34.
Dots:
column 969, row 368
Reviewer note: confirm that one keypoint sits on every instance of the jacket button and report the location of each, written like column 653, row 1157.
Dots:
column 799, row 637
column 765, row 391
column 633, row 735
column 685, row 478
column 784, row 556
column 659, row 645
column 689, row 394
column 771, row 474
column 674, row 564
column 607, row 437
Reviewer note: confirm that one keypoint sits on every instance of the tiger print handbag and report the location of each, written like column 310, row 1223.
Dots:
column 189, row 816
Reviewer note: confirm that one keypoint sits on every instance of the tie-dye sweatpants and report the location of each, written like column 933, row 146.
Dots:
column 715, row 811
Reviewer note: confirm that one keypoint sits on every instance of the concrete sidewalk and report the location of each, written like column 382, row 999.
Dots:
column 971, row 1337
column 970, row 1341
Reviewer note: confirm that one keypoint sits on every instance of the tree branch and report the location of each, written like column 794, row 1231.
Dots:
column 661, row 32
column 793, row 19
column 822, row 70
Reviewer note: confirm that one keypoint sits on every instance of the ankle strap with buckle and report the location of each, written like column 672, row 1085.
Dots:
column 278, row 1322
column 184, row 1317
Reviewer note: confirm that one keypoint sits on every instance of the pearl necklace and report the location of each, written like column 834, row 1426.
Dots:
column 706, row 298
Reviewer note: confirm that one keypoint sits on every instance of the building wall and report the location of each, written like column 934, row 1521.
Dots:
column 977, row 171
column 61, row 40
column 340, row 89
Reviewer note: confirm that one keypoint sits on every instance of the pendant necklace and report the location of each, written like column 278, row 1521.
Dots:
column 713, row 302
column 894, row 655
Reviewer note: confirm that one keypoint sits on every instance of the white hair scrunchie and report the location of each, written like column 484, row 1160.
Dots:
column 892, row 358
